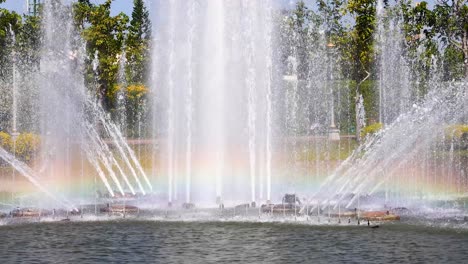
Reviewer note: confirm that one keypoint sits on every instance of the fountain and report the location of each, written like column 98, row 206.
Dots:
column 247, row 116
column 14, row 129
column 395, row 95
column 334, row 132
column 70, row 121
column 400, row 165
column 218, row 98
column 254, row 150
column 218, row 137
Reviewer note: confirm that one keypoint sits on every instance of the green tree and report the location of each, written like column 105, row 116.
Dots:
column 29, row 43
column 104, row 35
column 138, row 44
column 10, row 25
column 360, row 47
column 451, row 26
column 362, row 38
column 331, row 16
column 84, row 2
column 28, row 46
column 135, row 107
column 299, row 37
column 331, row 13
column 419, row 34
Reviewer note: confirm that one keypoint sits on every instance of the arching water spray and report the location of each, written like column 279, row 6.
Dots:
column 30, row 175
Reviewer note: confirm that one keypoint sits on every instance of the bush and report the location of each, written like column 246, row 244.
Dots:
column 136, row 92
column 371, row 129
column 25, row 145
column 5, row 141
column 136, row 101
column 457, row 134
column 456, row 131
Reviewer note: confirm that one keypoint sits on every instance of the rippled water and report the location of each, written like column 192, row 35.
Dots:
column 221, row 242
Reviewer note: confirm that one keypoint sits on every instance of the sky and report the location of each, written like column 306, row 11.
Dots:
column 118, row 6
column 126, row 6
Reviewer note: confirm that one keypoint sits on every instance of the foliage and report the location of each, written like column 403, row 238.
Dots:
column 5, row 140
column 456, row 138
column 422, row 48
column 451, row 26
column 361, row 53
column 136, row 93
column 10, row 24
column 456, row 131
column 116, row 41
column 443, row 33
column 331, row 14
column 367, row 90
column 138, row 44
column 104, row 35
column 371, row 129
column 434, row 35
column 25, row 146
column 29, row 43
column 85, row 2
column 20, row 40
column 360, row 50
column 452, row 63
column 136, row 96
column 301, row 27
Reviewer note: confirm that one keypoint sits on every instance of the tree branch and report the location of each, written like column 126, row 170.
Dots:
column 457, row 45
column 365, row 78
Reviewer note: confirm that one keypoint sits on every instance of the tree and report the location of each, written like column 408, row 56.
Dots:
column 29, row 43
column 361, row 47
column 333, row 22
column 332, row 14
column 451, row 26
column 419, row 34
column 301, row 27
column 10, row 25
column 85, row 2
column 362, row 38
column 104, row 35
column 135, row 107
column 138, row 44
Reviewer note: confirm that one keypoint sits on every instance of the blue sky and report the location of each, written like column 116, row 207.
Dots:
column 123, row 5
column 117, row 7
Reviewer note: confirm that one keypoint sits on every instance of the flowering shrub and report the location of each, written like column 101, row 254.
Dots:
column 24, row 147
column 371, row 129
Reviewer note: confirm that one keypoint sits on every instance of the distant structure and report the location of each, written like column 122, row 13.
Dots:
column 33, row 6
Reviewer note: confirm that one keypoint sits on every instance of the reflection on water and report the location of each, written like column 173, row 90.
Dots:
column 217, row 242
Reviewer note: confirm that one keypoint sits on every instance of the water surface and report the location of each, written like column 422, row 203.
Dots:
column 226, row 242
